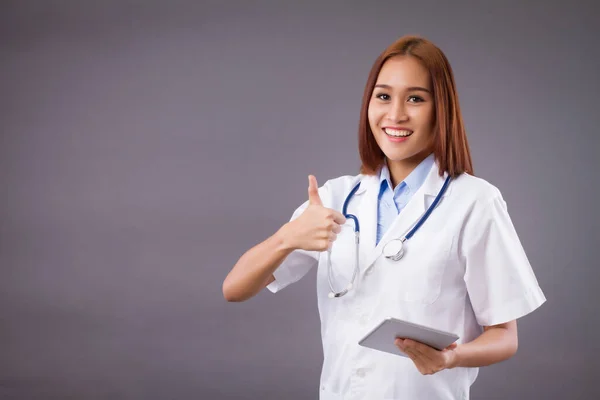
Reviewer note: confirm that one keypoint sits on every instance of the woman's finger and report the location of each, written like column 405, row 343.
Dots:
column 422, row 351
column 409, row 352
column 421, row 356
column 339, row 217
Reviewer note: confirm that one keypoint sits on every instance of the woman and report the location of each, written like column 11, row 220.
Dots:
column 464, row 270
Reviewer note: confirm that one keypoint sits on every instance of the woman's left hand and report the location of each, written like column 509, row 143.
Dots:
column 427, row 359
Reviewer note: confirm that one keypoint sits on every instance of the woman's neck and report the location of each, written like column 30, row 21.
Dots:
column 399, row 170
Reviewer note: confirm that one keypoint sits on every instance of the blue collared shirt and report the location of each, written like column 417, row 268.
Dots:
column 390, row 203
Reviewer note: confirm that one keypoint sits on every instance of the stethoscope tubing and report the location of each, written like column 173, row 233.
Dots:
column 395, row 257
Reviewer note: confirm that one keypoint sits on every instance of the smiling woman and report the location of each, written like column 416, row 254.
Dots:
column 402, row 106
column 464, row 270
column 412, row 84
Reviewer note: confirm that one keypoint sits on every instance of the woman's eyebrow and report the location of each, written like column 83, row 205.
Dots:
column 409, row 89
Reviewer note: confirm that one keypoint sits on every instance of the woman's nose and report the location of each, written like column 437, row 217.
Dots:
column 397, row 112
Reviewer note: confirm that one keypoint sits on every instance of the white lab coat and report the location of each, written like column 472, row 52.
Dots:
column 463, row 269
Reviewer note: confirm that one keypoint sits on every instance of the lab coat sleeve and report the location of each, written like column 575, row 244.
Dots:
column 299, row 262
column 499, row 279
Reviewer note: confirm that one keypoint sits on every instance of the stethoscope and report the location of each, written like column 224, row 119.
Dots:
column 393, row 250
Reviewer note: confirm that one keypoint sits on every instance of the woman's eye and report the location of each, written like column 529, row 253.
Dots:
column 383, row 96
column 415, row 99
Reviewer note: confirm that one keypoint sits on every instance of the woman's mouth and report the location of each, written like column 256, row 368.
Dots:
column 397, row 135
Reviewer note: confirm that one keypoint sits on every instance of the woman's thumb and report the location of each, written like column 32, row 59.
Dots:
column 313, row 191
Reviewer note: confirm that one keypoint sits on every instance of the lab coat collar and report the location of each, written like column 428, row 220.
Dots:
column 369, row 188
column 414, row 180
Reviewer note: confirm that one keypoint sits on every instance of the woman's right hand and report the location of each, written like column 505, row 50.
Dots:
column 317, row 227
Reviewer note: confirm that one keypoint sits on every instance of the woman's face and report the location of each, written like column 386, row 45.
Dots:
column 402, row 110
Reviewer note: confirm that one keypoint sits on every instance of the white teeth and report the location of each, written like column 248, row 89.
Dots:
column 397, row 132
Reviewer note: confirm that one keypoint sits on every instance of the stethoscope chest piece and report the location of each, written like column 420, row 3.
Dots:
column 394, row 249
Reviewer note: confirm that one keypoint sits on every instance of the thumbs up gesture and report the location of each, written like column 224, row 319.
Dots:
column 318, row 226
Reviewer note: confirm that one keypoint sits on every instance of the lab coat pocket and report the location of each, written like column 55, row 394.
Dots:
column 419, row 274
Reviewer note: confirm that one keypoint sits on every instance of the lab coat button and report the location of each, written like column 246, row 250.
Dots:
column 360, row 372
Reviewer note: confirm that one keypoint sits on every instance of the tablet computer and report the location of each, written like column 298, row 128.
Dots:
column 382, row 336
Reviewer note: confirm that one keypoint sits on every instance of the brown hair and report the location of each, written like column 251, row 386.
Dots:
column 450, row 146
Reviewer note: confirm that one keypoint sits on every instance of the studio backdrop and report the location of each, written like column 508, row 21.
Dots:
column 146, row 145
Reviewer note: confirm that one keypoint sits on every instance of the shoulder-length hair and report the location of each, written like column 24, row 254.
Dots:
column 450, row 146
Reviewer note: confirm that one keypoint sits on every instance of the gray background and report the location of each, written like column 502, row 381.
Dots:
column 146, row 145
